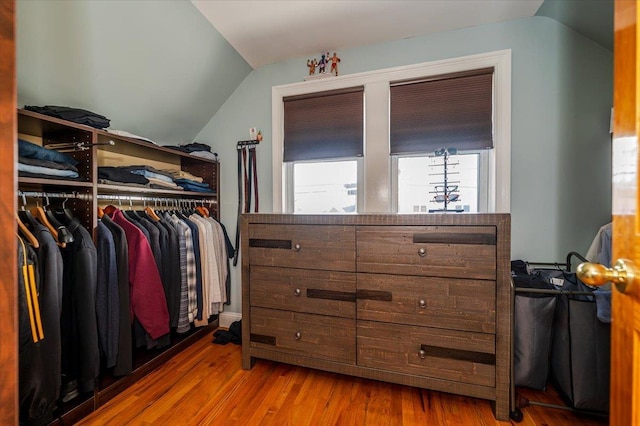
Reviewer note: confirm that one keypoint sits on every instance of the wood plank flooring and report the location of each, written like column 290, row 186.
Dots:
column 205, row 385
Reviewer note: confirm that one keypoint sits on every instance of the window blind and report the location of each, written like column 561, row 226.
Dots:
column 324, row 125
column 449, row 111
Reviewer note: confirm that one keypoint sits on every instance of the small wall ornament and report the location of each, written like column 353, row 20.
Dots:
column 321, row 65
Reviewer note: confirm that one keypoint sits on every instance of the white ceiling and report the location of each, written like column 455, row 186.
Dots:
column 265, row 32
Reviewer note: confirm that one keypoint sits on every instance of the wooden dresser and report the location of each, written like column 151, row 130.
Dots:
column 420, row 300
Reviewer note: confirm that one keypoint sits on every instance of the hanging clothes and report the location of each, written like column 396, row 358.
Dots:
column 80, row 353
column 124, row 358
column 148, row 302
column 39, row 329
column 107, row 296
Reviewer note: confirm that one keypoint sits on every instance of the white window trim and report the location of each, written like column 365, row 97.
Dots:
column 377, row 185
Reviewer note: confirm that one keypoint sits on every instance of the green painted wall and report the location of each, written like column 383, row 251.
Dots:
column 561, row 100
column 155, row 68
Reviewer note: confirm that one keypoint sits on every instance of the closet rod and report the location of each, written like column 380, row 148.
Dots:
column 42, row 194
column 154, row 199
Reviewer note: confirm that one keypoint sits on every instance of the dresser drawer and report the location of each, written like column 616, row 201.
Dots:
column 437, row 251
column 309, row 335
column 451, row 303
column 309, row 291
column 303, row 246
column 442, row 354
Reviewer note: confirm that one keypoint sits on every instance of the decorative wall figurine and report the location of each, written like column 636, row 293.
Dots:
column 322, row 63
column 311, row 64
column 326, row 66
column 334, row 63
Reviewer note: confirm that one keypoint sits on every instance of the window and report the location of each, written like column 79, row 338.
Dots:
column 323, row 126
column 383, row 174
column 325, row 187
column 437, row 117
column 421, row 189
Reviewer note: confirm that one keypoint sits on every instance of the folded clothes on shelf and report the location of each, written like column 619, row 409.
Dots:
column 190, row 147
column 119, row 174
column 47, row 164
column 46, row 171
column 181, row 174
column 162, row 183
column 76, row 115
column 149, row 172
column 37, row 152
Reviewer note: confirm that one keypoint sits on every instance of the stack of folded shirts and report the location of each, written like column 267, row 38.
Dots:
column 119, row 176
column 36, row 161
column 157, row 178
column 77, row 115
column 145, row 176
column 181, row 174
column 191, row 185
column 196, row 149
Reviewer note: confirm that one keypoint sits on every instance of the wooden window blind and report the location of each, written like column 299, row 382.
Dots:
column 324, row 125
column 448, row 111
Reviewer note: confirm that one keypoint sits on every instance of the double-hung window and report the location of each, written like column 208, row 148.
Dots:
column 323, row 139
column 441, row 131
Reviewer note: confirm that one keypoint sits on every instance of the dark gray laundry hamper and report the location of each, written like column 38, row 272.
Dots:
column 580, row 354
column 534, row 310
column 532, row 340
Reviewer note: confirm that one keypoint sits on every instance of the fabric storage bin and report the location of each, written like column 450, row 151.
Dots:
column 533, row 325
column 580, row 354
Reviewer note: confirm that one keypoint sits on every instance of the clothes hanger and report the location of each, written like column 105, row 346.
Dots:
column 100, row 212
column 25, row 215
column 39, row 213
column 64, row 235
column 63, row 213
column 26, row 233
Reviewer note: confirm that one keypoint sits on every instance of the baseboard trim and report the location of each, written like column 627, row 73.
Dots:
column 226, row 318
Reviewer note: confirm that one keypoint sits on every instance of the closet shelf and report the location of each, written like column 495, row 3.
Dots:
column 56, row 182
column 104, row 188
column 103, row 134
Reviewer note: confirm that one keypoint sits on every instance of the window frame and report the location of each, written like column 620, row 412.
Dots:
column 375, row 190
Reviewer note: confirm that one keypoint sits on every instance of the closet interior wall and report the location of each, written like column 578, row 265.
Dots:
column 86, row 194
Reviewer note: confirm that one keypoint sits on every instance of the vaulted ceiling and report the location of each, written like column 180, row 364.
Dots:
column 162, row 69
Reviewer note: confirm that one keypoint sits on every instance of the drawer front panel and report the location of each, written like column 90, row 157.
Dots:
column 309, row 291
column 313, row 336
column 437, row 251
column 303, row 246
column 458, row 304
column 443, row 354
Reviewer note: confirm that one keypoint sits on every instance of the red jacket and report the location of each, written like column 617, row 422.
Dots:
column 148, row 303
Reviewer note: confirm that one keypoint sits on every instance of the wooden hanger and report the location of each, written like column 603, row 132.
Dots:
column 151, row 213
column 40, row 214
column 27, row 234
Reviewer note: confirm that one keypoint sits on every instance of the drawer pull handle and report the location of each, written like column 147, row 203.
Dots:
column 422, row 303
column 422, row 354
column 297, row 336
column 296, row 247
column 422, row 252
column 296, row 292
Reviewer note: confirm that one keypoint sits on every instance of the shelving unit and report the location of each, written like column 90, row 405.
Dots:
column 49, row 131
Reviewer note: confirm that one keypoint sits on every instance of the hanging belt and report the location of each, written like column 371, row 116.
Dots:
column 254, row 166
column 240, row 207
column 247, row 184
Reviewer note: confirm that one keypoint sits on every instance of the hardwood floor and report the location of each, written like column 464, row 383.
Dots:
column 205, row 385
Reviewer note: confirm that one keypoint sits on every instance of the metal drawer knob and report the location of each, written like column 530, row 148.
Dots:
column 297, row 336
column 422, row 252
column 296, row 247
column 422, row 303
column 296, row 292
column 422, row 354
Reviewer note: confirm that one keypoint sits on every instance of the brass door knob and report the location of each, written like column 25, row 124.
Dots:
column 622, row 274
